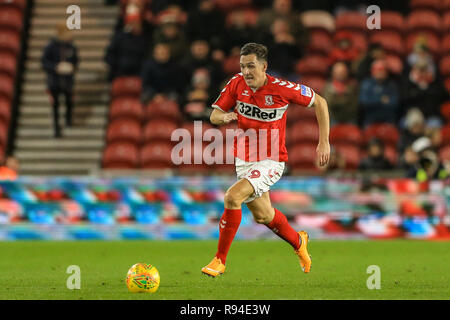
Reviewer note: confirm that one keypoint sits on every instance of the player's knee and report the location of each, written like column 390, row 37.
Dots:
column 232, row 200
column 261, row 217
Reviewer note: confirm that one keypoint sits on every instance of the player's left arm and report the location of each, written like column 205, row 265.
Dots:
column 323, row 118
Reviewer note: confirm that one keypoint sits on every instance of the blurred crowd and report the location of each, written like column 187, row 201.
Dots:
column 186, row 50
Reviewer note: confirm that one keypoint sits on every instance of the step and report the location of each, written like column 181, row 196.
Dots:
column 90, row 9
column 47, row 33
column 78, row 111
column 87, row 66
column 86, row 22
column 53, row 3
column 59, row 156
column 44, row 99
column 63, row 143
column 35, row 76
column 86, row 54
column 80, row 87
column 73, row 132
column 81, row 44
column 45, row 122
column 57, row 168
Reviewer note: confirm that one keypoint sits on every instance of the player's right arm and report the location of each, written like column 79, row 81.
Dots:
column 224, row 103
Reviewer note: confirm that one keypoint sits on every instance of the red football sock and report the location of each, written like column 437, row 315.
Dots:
column 282, row 228
column 228, row 226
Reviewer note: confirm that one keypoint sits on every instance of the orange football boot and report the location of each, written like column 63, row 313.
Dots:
column 214, row 268
column 302, row 252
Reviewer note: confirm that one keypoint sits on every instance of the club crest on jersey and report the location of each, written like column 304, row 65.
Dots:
column 269, row 100
column 306, row 91
column 245, row 93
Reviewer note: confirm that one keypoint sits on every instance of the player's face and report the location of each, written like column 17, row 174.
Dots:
column 253, row 70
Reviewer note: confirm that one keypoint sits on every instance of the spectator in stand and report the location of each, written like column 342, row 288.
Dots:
column 343, row 49
column 200, row 57
column 362, row 67
column 127, row 50
column 9, row 169
column 379, row 96
column 421, row 52
column 199, row 96
column 421, row 89
column 206, row 22
column 238, row 32
column 60, row 61
column 170, row 32
column 375, row 159
column 428, row 166
column 160, row 75
column 284, row 50
column 414, row 129
column 283, row 9
column 341, row 93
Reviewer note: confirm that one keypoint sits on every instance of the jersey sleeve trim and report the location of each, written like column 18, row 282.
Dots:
column 312, row 100
column 215, row 106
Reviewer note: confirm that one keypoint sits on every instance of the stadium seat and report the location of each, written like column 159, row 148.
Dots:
column 359, row 39
column 444, row 66
column 10, row 41
column 229, row 5
column 434, row 5
column 156, row 156
column 4, row 127
column 11, row 18
column 315, row 82
column 124, row 130
column 431, row 39
column 391, row 41
column 320, row 42
column 124, row 107
column 126, row 86
column 318, row 19
column 304, row 131
column 230, row 65
column 250, row 16
column 166, row 109
column 351, row 20
column 394, row 64
column 5, row 110
column 445, row 44
column 346, row 134
column 159, row 130
column 19, row 4
column 444, row 153
column 120, row 155
column 298, row 113
column 8, row 63
column 445, row 135
column 447, row 84
column 424, row 20
column 303, row 156
column 351, row 153
column 445, row 111
column 392, row 21
column 6, row 86
column 391, row 154
column 386, row 132
column 316, row 65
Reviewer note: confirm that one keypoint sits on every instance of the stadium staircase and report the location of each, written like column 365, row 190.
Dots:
column 78, row 152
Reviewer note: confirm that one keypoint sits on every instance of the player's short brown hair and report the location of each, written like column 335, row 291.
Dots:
column 257, row 49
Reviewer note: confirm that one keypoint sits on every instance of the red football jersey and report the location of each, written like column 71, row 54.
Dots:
column 264, row 111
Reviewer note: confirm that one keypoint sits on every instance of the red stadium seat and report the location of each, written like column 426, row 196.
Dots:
column 431, row 39
column 444, row 66
column 303, row 156
column 249, row 16
column 156, row 156
column 159, row 130
column 320, row 42
column 10, row 41
column 445, row 45
column 124, row 107
column 165, row 109
column 5, row 110
column 446, row 22
column 444, row 154
column 120, row 155
column 445, row 111
column 346, row 134
column 392, row 20
column 391, row 154
column 394, row 64
column 6, row 86
column 359, row 39
column 230, row 65
column 434, row 5
column 424, row 20
column 304, row 131
column 19, row 4
column 8, row 63
column 445, row 135
column 351, row 154
column 351, row 20
column 126, row 86
column 316, row 65
column 11, row 18
column 446, row 5
column 315, row 82
column 228, row 5
column 298, row 113
column 4, row 126
column 124, row 130
column 391, row 41
column 318, row 19
column 447, row 84
column 386, row 132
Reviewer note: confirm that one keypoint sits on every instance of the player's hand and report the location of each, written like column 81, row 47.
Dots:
column 323, row 153
column 231, row 116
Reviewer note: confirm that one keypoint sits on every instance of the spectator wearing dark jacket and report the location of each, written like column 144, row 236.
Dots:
column 160, row 75
column 60, row 61
column 379, row 96
column 127, row 51
column 375, row 159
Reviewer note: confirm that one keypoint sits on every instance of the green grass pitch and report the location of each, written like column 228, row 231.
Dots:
column 256, row 270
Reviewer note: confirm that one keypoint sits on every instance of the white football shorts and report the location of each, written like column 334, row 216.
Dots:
column 262, row 175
